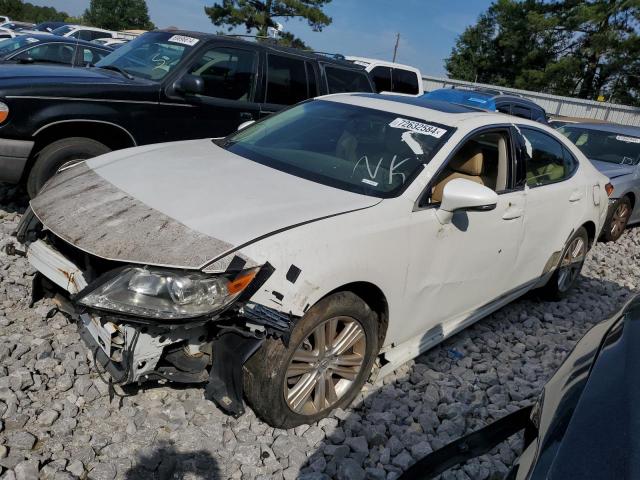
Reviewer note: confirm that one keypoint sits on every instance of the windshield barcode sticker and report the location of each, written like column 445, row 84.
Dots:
column 189, row 41
column 369, row 182
column 417, row 127
column 622, row 138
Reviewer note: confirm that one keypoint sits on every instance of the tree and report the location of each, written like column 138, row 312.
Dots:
column 12, row 8
column 258, row 15
column 567, row 47
column 119, row 14
column 37, row 14
column 27, row 12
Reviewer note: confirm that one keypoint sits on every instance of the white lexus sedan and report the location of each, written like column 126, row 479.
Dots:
column 284, row 262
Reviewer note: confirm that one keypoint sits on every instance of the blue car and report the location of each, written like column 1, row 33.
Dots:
column 492, row 100
column 615, row 151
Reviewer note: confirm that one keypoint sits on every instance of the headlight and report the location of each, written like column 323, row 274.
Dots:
column 167, row 294
column 4, row 112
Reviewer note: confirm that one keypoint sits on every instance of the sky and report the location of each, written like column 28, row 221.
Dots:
column 428, row 28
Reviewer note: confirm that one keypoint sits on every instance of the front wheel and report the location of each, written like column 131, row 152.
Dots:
column 617, row 220
column 329, row 356
column 57, row 154
column 571, row 262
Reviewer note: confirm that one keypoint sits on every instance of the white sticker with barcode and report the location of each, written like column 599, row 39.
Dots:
column 622, row 138
column 418, row 127
column 184, row 40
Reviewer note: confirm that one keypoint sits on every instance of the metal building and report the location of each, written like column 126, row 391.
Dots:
column 553, row 104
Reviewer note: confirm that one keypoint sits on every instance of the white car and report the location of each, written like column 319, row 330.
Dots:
column 111, row 42
column 80, row 32
column 349, row 231
column 391, row 77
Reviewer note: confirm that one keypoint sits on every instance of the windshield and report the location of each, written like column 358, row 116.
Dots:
column 62, row 31
column 151, row 56
column 358, row 149
column 12, row 44
column 604, row 146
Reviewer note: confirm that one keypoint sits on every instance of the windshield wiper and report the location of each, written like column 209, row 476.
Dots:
column 121, row 71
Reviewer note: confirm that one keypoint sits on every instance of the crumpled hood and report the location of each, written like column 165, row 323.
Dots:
column 613, row 170
column 181, row 204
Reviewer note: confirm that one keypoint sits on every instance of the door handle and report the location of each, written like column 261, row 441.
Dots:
column 575, row 196
column 512, row 213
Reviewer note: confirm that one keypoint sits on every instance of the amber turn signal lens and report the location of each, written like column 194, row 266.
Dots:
column 4, row 112
column 241, row 282
column 609, row 189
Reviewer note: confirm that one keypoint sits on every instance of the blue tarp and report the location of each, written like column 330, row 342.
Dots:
column 463, row 97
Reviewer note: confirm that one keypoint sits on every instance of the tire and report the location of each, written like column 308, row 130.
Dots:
column 617, row 220
column 272, row 393
column 53, row 156
column 571, row 262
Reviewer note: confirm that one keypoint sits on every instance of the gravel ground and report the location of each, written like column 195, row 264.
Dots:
column 57, row 421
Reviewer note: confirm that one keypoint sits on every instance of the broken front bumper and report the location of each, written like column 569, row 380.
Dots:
column 211, row 349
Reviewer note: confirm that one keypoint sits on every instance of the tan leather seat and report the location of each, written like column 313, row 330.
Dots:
column 467, row 163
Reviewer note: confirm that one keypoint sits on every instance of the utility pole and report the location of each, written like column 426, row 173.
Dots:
column 395, row 49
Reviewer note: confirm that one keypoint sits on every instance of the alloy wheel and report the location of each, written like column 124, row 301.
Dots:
column 619, row 220
column 325, row 365
column 571, row 263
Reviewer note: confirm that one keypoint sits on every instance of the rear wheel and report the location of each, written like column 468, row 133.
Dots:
column 571, row 262
column 57, row 154
column 330, row 355
column 617, row 221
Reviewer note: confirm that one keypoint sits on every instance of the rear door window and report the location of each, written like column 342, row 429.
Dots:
column 85, row 35
column 504, row 108
column 342, row 80
column 546, row 159
column 381, row 77
column 98, row 35
column 227, row 73
column 405, row 81
column 286, row 80
column 312, row 80
column 522, row 112
column 92, row 55
column 50, row 53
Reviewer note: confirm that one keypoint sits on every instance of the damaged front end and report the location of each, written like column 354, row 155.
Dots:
column 149, row 323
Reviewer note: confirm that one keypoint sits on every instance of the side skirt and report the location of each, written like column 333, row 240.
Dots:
column 397, row 356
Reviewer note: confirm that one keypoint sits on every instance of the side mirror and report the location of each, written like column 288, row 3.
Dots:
column 460, row 194
column 190, row 85
column 244, row 125
column 26, row 60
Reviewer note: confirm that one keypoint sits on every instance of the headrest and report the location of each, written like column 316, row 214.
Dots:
column 468, row 160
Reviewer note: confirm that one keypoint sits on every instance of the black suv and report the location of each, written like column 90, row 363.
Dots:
column 163, row 86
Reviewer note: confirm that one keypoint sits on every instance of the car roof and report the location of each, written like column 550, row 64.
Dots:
column 84, row 27
column 371, row 61
column 608, row 127
column 48, row 38
column 318, row 56
column 445, row 113
column 496, row 97
column 515, row 99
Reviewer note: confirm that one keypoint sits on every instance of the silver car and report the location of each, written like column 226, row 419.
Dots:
column 615, row 151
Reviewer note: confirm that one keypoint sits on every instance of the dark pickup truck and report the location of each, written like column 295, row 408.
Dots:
column 163, row 86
